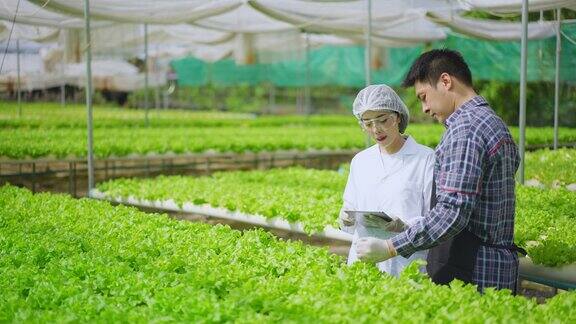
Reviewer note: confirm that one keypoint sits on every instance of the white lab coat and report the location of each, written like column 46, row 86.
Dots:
column 399, row 184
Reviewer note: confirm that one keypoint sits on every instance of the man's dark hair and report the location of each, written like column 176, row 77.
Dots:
column 430, row 65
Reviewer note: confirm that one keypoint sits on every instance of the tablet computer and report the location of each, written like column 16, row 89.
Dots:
column 360, row 214
column 363, row 230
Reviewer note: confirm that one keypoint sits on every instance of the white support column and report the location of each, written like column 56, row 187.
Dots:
column 307, row 100
column 557, row 77
column 523, row 70
column 156, row 69
column 64, row 41
column 89, row 96
column 272, row 98
column 18, row 83
column 368, row 53
column 146, row 73
column 368, row 50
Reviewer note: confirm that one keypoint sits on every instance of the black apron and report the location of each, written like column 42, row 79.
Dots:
column 456, row 257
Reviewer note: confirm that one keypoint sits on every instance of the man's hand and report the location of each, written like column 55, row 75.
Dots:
column 371, row 249
column 396, row 225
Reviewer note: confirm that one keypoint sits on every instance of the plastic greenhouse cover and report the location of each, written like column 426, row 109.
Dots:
column 317, row 16
column 357, row 9
column 393, row 24
column 329, row 65
column 26, row 46
column 103, row 68
column 515, row 6
column 132, row 35
column 144, row 11
column 177, row 40
column 200, row 35
column 264, row 29
column 337, row 65
column 245, row 19
column 114, row 75
column 496, row 30
column 29, row 13
column 27, row 32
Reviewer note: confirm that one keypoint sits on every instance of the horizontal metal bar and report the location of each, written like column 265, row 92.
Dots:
column 150, row 157
column 291, row 153
column 563, row 277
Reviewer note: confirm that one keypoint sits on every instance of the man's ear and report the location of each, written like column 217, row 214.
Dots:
column 446, row 81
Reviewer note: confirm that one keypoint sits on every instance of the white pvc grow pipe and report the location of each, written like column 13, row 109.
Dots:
column 275, row 223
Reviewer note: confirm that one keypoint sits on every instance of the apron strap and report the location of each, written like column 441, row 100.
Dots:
column 512, row 247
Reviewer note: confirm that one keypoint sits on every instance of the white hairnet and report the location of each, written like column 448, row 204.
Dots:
column 380, row 97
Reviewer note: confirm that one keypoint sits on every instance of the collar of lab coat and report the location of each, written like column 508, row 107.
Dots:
column 410, row 147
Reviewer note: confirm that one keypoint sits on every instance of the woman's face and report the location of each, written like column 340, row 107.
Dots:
column 382, row 126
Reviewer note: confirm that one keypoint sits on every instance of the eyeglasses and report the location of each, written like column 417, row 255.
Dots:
column 383, row 122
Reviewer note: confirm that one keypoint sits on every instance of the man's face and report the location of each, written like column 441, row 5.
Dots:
column 436, row 101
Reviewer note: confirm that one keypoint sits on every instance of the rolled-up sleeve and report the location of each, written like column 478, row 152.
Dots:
column 458, row 185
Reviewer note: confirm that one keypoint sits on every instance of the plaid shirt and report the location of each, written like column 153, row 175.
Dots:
column 474, row 170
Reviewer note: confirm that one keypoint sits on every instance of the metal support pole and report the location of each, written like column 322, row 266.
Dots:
column 299, row 109
column 33, row 177
column 146, row 73
column 89, row 97
column 272, row 98
column 307, row 101
column 64, row 39
column 157, row 82
column 70, row 179
column 368, row 53
column 18, row 84
column 75, row 179
column 557, row 79
column 523, row 65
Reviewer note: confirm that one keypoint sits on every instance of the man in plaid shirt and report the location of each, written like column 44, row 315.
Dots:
column 470, row 229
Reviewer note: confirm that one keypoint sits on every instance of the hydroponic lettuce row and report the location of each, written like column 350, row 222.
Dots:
column 545, row 219
column 545, row 223
column 61, row 143
column 50, row 116
column 20, row 143
column 312, row 197
column 68, row 260
column 552, row 167
column 46, row 130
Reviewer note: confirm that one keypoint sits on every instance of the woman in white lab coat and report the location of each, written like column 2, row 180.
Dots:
column 395, row 175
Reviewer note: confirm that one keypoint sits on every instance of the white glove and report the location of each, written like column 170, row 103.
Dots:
column 397, row 225
column 345, row 219
column 371, row 249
